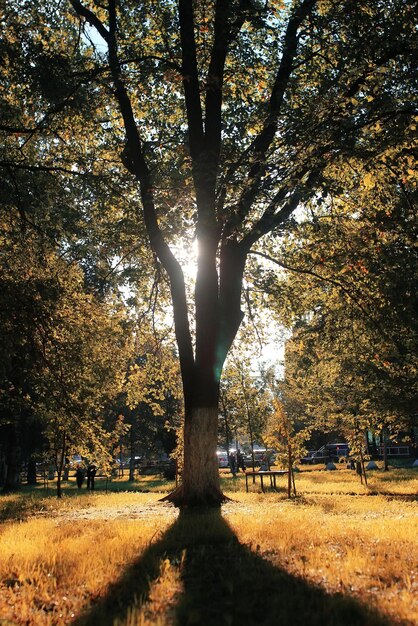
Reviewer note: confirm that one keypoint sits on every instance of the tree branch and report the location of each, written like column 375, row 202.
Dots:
column 215, row 77
column 261, row 144
column 190, row 78
column 18, row 130
column 232, row 265
column 272, row 219
column 50, row 169
column 91, row 18
column 138, row 167
column 265, row 138
column 336, row 283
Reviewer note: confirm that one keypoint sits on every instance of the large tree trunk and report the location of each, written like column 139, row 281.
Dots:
column 217, row 322
column 200, row 484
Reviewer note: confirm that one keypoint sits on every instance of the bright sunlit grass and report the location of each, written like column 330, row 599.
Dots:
column 336, row 536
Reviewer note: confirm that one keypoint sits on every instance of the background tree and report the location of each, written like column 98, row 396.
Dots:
column 153, row 396
column 285, row 434
column 350, row 292
column 246, row 400
column 50, row 222
column 63, row 350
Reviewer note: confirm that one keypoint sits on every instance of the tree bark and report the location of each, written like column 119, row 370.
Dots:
column 200, row 484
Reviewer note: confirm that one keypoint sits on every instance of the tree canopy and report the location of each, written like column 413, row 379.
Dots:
column 350, row 296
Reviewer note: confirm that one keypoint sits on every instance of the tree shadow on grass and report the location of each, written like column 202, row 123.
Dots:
column 224, row 583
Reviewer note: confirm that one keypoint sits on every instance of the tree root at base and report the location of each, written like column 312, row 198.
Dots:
column 180, row 498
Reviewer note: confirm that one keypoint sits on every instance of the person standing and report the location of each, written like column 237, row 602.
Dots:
column 79, row 476
column 264, row 465
column 240, row 461
column 91, row 473
column 233, row 463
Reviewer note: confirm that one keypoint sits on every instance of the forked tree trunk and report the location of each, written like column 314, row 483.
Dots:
column 200, row 483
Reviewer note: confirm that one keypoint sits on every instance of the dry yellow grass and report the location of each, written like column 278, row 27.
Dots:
column 59, row 558
column 52, row 566
column 368, row 549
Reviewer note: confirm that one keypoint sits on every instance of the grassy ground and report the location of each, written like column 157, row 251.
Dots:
column 336, row 554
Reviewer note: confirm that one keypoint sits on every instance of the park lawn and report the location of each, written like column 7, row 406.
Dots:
column 338, row 553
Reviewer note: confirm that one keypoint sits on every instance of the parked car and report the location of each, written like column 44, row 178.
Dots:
column 74, row 460
column 126, row 461
column 261, row 456
column 334, row 452
column 222, row 457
